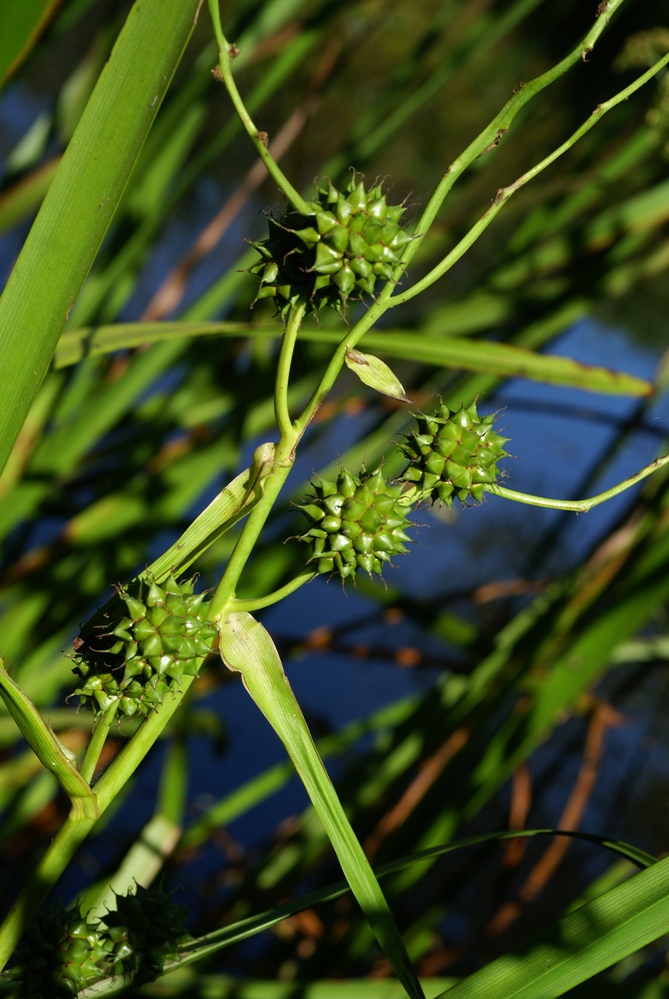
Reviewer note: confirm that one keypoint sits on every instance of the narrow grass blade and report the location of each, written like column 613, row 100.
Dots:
column 241, row 930
column 579, row 946
column 499, row 359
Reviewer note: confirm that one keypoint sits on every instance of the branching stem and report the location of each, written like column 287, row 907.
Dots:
column 258, row 603
column 499, row 126
column 505, row 193
column 98, row 739
column 293, row 324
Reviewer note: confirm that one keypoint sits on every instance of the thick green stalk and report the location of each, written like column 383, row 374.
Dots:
column 45, row 744
column 42, row 879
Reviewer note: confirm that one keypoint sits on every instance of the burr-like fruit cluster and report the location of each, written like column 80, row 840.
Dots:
column 63, row 952
column 142, row 642
column 355, row 523
column 451, row 455
column 338, row 251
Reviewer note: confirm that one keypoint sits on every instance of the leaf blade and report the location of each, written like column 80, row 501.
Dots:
column 484, row 356
column 580, row 945
column 246, row 647
column 82, row 199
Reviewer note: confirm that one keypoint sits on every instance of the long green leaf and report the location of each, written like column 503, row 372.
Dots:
column 579, row 946
column 250, row 926
column 499, row 359
column 21, row 24
column 81, row 201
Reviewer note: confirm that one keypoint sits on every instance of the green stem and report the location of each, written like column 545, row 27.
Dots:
column 254, row 604
column 226, row 53
column 98, row 739
column 488, row 137
column 246, row 647
column 230, row 506
column 42, row 879
column 273, row 483
column 505, row 193
column 271, row 474
column 43, row 741
column 336, row 363
column 283, row 370
column 579, row 506
column 83, row 816
column 132, row 754
column 499, row 126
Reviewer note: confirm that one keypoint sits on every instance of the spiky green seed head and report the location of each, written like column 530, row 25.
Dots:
column 355, row 523
column 348, row 241
column 146, row 929
column 451, row 454
column 63, row 952
column 141, row 643
column 60, row 953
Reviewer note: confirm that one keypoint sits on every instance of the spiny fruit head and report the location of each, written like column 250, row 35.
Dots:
column 337, row 252
column 142, row 642
column 451, row 454
column 355, row 523
column 59, row 955
column 63, row 952
column 146, row 929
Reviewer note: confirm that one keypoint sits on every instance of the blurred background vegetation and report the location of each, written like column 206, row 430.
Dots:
column 512, row 671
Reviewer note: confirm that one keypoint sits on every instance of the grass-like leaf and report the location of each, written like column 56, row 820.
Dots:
column 247, row 647
column 82, row 199
column 499, row 359
column 579, row 946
